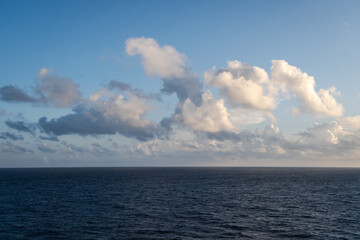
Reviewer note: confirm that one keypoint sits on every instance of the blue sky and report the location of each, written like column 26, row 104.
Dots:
column 129, row 83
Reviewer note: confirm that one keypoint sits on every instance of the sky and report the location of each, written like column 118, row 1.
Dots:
column 179, row 83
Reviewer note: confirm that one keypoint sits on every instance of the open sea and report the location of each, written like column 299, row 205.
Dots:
column 180, row 203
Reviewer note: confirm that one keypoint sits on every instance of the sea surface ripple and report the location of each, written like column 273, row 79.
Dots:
column 180, row 203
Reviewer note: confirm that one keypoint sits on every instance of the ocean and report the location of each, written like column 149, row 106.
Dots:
column 180, row 203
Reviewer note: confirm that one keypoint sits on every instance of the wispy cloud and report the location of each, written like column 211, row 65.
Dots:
column 21, row 126
column 45, row 148
column 11, row 136
column 123, row 86
column 9, row 147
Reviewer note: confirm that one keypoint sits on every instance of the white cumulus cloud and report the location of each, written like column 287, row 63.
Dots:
column 168, row 64
column 129, row 111
column 244, row 85
column 320, row 103
column 164, row 62
column 211, row 116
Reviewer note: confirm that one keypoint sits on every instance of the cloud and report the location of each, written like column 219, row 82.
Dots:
column 244, row 85
column 250, row 87
column 232, row 136
column 321, row 133
column 324, row 141
column 210, row 116
column 46, row 148
column 94, row 148
column 185, row 87
column 60, row 92
column 168, row 64
column 122, row 86
column 241, row 117
column 2, row 112
column 158, row 147
column 130, row 111
column 10, row 93
column 8, row 147
column 321, row 103
column 353, row 122
column 111, row 115
column 21, row 126
column 71, row 148
column 270, row 135
column 49, row 138
column 11, row 136
column 205, row 126
column 220, row 147
column 115, row 145
column 328, row 140
column 50, row 90
column 43, row 72
column 164, row 61
column 98, row 149
column 119, row 85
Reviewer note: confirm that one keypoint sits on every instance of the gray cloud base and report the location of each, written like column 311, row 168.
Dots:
column 122, row 86
column 49, row 91
column 11, row 136
column 90, row 121
column 10, row 93
column 21, row 126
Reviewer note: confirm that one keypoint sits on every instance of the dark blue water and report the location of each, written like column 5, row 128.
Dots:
column 179, row 203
